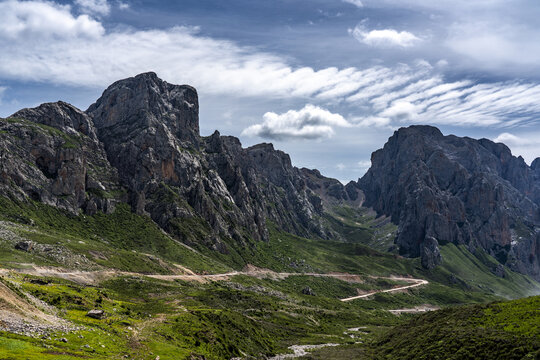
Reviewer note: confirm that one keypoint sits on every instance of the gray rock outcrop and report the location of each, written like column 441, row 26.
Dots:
column 52, row 154
column 140, row 144
column 442, row 189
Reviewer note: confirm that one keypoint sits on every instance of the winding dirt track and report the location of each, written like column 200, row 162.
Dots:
column 93, row 277
column 416, row 282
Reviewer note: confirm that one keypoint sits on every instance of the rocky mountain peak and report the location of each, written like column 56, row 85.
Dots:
column 145, row 101
column 62, row 116
column 446, row 189
column 143, row 147
column 424, row 130
column 535, row 165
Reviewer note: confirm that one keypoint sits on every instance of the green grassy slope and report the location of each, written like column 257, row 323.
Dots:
column 508, row 330
column 460, row 268
column 502, row 330
column 121, row 240
column 186, row 320
column 219, row 320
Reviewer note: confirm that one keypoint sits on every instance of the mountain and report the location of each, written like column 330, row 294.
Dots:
column 140, row 144
column 126, row 234
column 447, row 189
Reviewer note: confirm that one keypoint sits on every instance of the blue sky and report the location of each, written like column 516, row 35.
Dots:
column 326, row 81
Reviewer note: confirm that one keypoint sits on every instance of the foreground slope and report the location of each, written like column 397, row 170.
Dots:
column 507, row 330
column 502, row 330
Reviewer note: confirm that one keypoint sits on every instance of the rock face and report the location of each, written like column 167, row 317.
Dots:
column 140, row 143
column 331, row 191
column 442, row 189
column 52, row 154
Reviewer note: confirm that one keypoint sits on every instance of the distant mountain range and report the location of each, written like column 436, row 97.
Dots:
column 140, row 144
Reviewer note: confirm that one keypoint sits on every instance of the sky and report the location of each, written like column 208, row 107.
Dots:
column 327, row 81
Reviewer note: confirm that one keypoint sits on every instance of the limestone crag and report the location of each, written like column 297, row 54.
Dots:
column 140, row 143
column 442, row 189
column 51, row 154
column 331, row 191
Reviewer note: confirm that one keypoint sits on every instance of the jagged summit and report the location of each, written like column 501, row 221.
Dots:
column 139, row 143
column 145, row 100
column 447, row 189
column 425, row 130
column 60, row 115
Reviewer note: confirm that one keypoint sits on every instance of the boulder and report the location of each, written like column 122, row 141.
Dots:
column 24, row 246
column 96, row 314
column 308, row 291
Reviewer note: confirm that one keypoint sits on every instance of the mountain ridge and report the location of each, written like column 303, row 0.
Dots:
column 139, row 144
column 442, row 189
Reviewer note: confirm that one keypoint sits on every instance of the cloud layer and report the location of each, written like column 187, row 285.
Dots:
column 310, row 122
column 513, row 140
column 48, row 42
column 25, row 21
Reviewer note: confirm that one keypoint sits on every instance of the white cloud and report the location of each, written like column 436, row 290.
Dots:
column 2, row 91
column 46, row 42
column 372, row 121
column 513, row 140
column 123, row 5
column 311, row 122
column 24, row 21
column 364, row 164
column 442, row 63
column 98, row 7
column 384, row 38
column 341, row 166
column 401, row 110
column 357, row 3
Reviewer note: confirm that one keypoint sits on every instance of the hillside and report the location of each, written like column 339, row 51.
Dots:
column 507, row 330
column 502, row 330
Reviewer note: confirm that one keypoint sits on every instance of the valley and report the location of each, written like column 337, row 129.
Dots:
column 124, row 234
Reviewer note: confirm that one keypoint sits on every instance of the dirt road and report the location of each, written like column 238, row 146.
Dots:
column 93, row 277
column 416, row 282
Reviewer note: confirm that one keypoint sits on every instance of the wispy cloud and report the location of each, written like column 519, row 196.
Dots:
column 98, row 7
column 310, row 122
column 364, row 164
column 357, row 3
column 513, row 140
column 384, row 37
column 372, row 122
column 525, row 144
column 123, row 5
column 48, row 42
